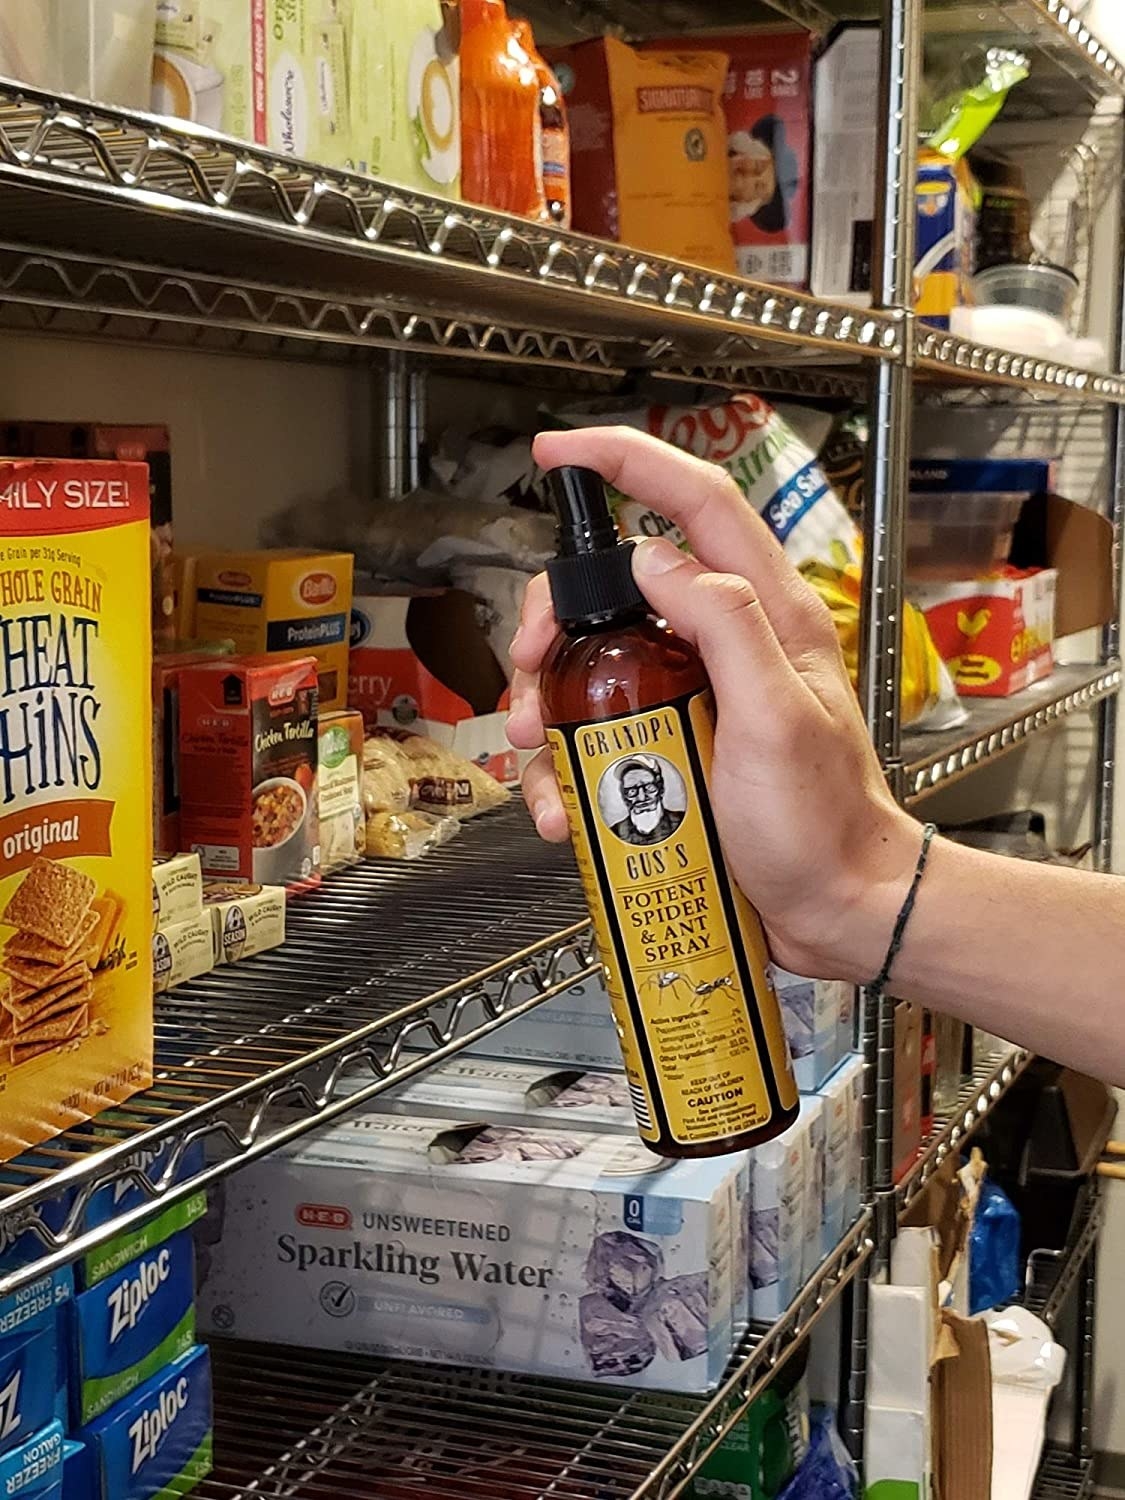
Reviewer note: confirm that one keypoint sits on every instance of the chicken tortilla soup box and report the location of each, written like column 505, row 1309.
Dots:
column 75, row 794
column 420, row 661
column 248, row 759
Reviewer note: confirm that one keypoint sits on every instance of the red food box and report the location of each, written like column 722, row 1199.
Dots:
column 166, row 670
column 248, row 764
column 995, row 635
column 768, row 104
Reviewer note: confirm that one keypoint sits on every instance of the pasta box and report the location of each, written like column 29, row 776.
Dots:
column 248, row 766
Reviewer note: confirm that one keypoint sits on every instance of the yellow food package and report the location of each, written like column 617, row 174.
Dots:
column 280, row 599
column 648, row 148
column 75, row 794
column 923, row 672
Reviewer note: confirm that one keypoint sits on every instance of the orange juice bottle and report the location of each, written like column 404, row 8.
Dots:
column 500, row 103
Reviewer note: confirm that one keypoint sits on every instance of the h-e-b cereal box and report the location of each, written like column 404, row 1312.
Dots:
column 75, row 794
column 248, row 763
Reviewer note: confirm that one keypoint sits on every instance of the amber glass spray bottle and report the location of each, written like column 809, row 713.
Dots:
column 630, row 723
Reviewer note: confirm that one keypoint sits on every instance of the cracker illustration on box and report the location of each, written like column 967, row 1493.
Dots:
column 75, row 794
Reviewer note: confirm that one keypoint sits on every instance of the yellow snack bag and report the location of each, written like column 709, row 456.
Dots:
column 922, row 667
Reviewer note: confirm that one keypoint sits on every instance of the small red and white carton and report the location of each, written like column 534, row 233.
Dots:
column 996, row 635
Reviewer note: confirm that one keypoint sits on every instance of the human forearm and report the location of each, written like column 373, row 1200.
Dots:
column 1031, row 952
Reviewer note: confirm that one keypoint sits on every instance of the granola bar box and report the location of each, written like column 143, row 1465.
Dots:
column 248, row 764
column 75, row 793
column 568, row 1253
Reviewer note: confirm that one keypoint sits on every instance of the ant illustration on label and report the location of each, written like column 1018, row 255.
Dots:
column 671, row 979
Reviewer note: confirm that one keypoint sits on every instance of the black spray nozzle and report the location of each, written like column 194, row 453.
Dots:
column 581, row 506
column 591, row 576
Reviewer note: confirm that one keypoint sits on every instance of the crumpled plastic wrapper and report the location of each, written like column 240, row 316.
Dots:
column 595, row 1088
column 499, row 1143
column 676, row 1315
column 624, row 1268
column 419, row 539
column 616, row 1343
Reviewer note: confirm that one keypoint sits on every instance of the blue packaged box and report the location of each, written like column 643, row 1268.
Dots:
column 157, row 1442
column 130, row 1325
column 105, row 1204
column 34, row 1471
column 78, row 1479
column 29, row 1385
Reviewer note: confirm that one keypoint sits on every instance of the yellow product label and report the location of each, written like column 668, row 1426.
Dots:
column 685, row 957
column 75, row 794
column 280, row 600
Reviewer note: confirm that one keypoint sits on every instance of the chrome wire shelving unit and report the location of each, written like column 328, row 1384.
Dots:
column 344, row 1426
column 120, row 226
column 380, row 959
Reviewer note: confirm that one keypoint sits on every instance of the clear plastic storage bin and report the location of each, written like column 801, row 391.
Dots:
column 961, row 513
column 97, row 49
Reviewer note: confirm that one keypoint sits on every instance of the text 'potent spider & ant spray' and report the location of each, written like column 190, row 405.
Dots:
column 631, row 727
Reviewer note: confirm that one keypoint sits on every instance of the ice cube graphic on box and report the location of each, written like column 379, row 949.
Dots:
column 555, row 1252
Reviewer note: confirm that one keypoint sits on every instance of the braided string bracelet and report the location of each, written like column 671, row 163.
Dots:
column 879, row 983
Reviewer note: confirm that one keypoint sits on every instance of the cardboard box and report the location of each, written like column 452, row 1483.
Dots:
column 182, row 952
column 962, row 1408
column 420, row 660
column 471, row 1088
column 148, row 444
column 768, row 104
column 130, row 1325
column 177, row 889
column 166, row 670
column 79, row 1477
column 76, row 1018
column 158, row 1441
column 816, row 1145
column 573, row 1029
column 248, row 764
column 995, row 635
column 32, row 1357
column 245, row 919
column 558, row 1253
column 840, row 1136
column 779, row 1177
column 908, row 1087
column 811, row 1010
column 896, row 1455
column 849, row 1078
column 277, row 600
column 343, row 839
column 34, row 1471
column 945, row 197
column 845, row 145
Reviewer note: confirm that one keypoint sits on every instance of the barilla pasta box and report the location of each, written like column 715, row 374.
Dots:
column 157, row 1442
column 248, row 764
column 75, row 794
column 420, row 661
column 278, row 600
column 34, row 1470
column 945, row 198
column 131, row 1325
column 566, row 1253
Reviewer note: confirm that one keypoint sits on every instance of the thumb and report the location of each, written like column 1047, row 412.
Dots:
column 722, row 617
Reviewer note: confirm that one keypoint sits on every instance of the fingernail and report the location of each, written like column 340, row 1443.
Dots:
column 656, row 555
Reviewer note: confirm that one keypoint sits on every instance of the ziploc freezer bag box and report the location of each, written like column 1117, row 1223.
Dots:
column 816, row 1126
column 547, row 1252
column 157, row 1442
column 34, row 1470
column 32, row 1374
column 132, row 1324
column 510, row 1093
column 811, row 1011
column 162, row 1163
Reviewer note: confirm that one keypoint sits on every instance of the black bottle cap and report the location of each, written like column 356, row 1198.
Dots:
column 591, row 578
